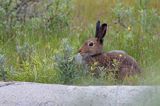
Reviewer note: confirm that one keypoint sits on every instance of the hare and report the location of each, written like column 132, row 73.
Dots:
column 92, row 51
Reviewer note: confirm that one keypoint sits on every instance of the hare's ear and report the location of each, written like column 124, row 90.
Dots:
column 101, row 31
column 98, row 25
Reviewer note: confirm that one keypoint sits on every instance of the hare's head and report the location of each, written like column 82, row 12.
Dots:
column 94, row 45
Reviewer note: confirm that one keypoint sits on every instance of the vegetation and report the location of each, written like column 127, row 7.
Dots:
column 40, row 46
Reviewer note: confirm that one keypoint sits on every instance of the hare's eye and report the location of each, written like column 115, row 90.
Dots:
column 90, row 44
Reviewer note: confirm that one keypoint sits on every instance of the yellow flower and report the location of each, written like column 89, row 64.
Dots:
column 129, row 28
column 120, row 55
column 95, row 63
column 92, row 68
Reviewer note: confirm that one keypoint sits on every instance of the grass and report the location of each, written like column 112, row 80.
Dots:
column 41, row 49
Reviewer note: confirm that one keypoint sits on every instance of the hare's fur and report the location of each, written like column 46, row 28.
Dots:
column 92, row 51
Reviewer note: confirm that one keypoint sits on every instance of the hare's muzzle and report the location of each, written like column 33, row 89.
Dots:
column 80, row 52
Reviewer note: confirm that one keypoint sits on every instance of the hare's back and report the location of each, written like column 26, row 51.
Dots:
column 127, row 65
column 124, row 60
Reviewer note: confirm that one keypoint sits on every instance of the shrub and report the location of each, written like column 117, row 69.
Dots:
column 69, row 71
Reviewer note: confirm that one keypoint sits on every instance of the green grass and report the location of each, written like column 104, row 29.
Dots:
column 36, row 51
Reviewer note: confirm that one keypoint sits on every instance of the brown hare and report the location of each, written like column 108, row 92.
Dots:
column 92, row 52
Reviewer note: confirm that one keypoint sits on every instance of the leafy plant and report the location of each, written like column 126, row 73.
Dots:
column 2, row 67
column 69, row 71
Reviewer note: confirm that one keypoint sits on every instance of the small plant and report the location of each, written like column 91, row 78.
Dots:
column 69, row 71
column 124, row 15
column 2, row 67
column 24, row 53
column 24, row 62
column 105, row 75
column 58, row 16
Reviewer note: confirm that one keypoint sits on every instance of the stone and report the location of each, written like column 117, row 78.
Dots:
column 37, row 94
